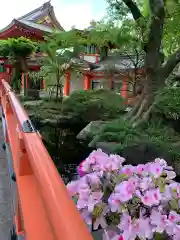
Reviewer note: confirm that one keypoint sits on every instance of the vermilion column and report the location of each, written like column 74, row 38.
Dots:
column 97, row 58
column 43, row 84
column 22, row 81
column 26, row 79
column 87, row 82
column 9, row 71
column 67, row 84
column 110, row 84
column 124, row 87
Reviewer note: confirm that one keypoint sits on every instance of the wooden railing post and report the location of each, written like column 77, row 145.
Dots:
column 24, row 166
column 18, row 219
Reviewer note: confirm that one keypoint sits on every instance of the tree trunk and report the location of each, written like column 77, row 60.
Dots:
column 156, row 70
column 57, row 84
column 16, row 80
column 142, row 110
column 57, row 91
column 61, row 92
column 152, row 61
column 23, row 63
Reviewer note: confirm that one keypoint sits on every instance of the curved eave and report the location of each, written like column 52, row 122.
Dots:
column 39, row 13
column 8, row 27
column 13, row 30
column 56, row 22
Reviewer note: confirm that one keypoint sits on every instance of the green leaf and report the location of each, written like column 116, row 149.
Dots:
column 174, row 204
column 98, row 209
column 146, row 8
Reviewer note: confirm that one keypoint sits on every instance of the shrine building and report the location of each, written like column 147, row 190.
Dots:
column 42, row 21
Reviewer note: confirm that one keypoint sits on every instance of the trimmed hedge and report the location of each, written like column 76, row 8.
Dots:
column 123, row 135
column 93, row 105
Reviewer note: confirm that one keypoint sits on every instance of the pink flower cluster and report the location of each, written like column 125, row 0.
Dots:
column 140, row 201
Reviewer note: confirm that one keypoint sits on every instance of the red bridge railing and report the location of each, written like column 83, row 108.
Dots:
column 42, row 207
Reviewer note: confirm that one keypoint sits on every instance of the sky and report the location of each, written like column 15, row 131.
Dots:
column 70, row 13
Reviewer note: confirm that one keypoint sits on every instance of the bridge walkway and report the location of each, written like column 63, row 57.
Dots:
column 6, row 222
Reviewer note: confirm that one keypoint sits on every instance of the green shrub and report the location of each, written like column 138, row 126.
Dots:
column 25, row 98
column 93, row 105
column 123, row 134
column 168, row 103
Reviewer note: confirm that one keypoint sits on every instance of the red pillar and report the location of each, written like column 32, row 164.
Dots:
column 97, row 58
column 124, row 87
column 43, row 84
column 26, row 79
column 110, row 83
column 22, row 81
column 67, row 84
column 87, row 82
column 8, row 69
column 10, row 74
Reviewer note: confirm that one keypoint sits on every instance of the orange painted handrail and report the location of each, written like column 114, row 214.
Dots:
column 43, row 210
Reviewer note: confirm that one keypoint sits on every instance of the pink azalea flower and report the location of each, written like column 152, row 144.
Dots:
column 128, row 170
column 97, row 156
column 81, row 170
column 175, row 189
column 155, row 169
column 111, row 235
column 116, row 161
column 159, row 221
column 72, row 188
column 100, row 221
column 129, row 234
column 146, row 183
column 99, row 171
column 161, row 161
column 108, row 235
column 125, row 191
column 174, row 217
column 113, row 163
column 135, row 181
column 81, row 203
column 167, row 194
column 170, row 175
column 84, row 190
column 125, row 222
column 86, row 216
column 176, row 232
column 143, row 228
column 139, row 169
column 118, row 237
column 94, row 199
column 93, row 178
column 114, row 202
column 151, row 197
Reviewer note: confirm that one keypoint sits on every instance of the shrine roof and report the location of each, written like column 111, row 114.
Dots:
column 119, row 63
column 41, row 27
column 28, row 24
column 43, row 15
column 42, row 19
